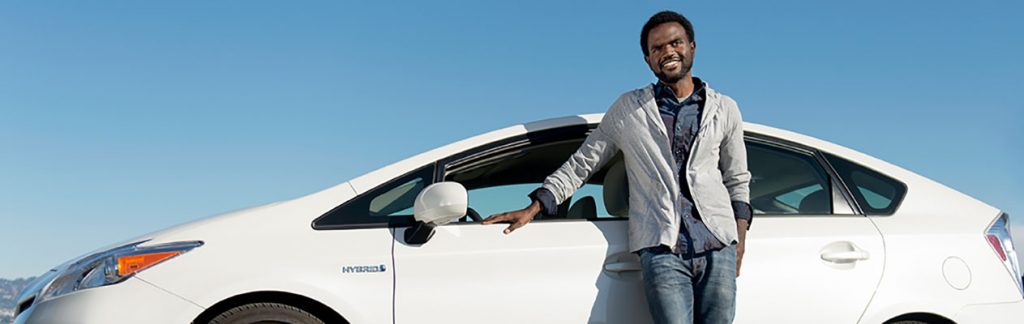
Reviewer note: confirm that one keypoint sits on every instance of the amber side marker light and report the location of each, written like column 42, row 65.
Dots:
column 130, row 264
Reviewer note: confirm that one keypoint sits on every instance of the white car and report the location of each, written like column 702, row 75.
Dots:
column 838, row 237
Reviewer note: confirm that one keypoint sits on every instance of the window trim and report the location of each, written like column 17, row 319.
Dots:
column 848, row 197
column 518, row 141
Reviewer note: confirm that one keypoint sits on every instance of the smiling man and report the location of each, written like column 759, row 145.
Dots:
column 686, row 165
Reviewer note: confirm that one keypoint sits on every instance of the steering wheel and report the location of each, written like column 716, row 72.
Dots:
column 475, row 216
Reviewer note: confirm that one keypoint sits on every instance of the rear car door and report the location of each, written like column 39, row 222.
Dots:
column 811, row 256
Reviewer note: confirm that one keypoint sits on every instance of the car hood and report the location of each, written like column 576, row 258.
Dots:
column 278, row 218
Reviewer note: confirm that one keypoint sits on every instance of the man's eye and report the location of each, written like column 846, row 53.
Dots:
column 677, row 43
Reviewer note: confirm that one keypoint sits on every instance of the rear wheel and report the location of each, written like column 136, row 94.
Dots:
column 265, row 313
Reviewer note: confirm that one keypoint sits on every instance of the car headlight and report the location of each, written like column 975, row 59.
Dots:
column 112, row 266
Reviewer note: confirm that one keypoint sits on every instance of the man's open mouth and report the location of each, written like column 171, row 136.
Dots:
column 671, row 64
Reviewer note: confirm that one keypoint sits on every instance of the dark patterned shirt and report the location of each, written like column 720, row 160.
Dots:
column 682, row 123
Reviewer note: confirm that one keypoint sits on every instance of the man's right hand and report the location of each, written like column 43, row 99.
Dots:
column 517, row 218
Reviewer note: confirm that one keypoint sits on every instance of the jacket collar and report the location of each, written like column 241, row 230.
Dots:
column 712, row 104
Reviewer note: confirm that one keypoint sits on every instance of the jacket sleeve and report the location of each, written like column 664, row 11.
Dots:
column 733, row 160
column 596, row 151
column 546, row 199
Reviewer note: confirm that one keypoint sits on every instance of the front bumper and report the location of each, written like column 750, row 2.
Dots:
column 992, row 313
column 131, row 301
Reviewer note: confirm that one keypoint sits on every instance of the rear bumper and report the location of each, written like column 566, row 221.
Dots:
column 992, row 313
column 131, row 301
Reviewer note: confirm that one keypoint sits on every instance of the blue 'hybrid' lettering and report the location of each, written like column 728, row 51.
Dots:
column 363, row 269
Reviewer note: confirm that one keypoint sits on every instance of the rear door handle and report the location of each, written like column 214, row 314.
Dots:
column 622, row 266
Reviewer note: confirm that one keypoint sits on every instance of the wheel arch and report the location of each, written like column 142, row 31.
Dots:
column 318, row 309
column 930, row 318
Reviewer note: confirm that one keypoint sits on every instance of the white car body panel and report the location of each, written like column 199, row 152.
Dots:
column 932, row 224
column 549, row 270
column 130, row 301
column 1010, row 312
column 312, row 259
column 556, row 271
column 783, row 263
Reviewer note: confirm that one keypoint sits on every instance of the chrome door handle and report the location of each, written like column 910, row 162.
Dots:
column 622, row 266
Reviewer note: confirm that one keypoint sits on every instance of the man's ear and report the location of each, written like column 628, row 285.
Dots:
column 647, row 58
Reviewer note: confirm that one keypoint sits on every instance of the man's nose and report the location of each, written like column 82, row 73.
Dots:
column 671, row 51
column 669, row 48
column 670, row 54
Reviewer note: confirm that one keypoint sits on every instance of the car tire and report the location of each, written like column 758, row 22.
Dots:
column 908, row 322
column 265, row 313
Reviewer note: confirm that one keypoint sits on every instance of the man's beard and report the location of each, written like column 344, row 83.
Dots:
column 675, row 77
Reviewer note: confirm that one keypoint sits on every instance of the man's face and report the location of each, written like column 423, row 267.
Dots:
column 670, row 52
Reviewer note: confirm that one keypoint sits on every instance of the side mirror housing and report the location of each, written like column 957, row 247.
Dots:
column 437, row 204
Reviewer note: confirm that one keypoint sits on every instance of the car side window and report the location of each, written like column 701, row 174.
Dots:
column 501, row 176
column 398, row 200
column 586, row 203
column 498, row 199
column 388, row 204
column 590, row 195
column 787, row 181
column 877, row 194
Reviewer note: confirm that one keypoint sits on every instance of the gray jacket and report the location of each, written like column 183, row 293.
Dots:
column 716, row 171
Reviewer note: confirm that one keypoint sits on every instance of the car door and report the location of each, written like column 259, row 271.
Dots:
column 810, row 256
column 573, row 267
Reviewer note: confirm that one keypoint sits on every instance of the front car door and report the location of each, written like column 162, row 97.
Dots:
column 574, row 267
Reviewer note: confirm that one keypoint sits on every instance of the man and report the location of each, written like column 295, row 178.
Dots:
column 685, row 161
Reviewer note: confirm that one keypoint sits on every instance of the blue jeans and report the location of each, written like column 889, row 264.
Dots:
column 690, row 288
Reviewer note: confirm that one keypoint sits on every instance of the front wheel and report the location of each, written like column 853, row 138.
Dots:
column 265, row 313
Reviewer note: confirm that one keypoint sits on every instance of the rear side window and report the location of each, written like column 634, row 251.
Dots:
column 877, row 194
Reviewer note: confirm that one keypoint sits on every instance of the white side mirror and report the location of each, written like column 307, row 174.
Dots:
column 441, row 203
column 437, row 204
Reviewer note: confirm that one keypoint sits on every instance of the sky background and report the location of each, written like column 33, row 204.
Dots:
column 119, row 118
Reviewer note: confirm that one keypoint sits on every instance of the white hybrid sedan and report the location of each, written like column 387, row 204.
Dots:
column 838, row 237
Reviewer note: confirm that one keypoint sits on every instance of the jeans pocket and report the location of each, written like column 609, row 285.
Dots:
column 651, row 257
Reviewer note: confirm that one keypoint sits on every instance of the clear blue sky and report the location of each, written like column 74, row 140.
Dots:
column 123, row 117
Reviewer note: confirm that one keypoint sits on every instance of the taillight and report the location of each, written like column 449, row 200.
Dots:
column 999, row 238
column 997, row 245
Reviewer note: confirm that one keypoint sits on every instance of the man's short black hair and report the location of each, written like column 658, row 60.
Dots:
column 666, row 16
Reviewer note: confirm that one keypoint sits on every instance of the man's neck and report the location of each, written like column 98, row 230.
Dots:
column 682, row 88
